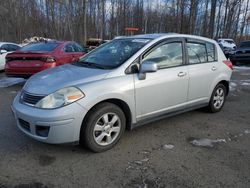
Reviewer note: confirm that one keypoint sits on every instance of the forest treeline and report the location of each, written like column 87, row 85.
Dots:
column 80, row 19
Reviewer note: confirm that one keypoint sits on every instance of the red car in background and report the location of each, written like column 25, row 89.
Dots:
column 36, row 57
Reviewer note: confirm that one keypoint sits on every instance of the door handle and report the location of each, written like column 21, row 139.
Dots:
column 181, row 74
column 213, row 68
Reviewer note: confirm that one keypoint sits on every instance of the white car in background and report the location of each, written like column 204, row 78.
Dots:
column 5, row 48
column 228, row 46
column 227, row 43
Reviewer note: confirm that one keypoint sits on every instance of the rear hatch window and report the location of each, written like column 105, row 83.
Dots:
column 44, row 47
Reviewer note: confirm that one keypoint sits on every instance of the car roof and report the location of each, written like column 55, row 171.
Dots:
column 2, row 43
column 146, row 36
column 226, row 39
column 158, row 36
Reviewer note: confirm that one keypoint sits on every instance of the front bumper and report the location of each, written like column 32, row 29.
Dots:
column 55, row 126
column 240, row 58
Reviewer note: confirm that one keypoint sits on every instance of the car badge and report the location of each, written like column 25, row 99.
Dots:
column 24, row 58
column 244, row 51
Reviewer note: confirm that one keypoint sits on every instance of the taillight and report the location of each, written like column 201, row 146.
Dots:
column 228, row 63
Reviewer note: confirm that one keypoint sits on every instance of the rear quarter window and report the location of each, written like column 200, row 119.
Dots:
column 13, row 47
column 201, row 52
column 211, row 52
column 45, row 47
column 196, row 53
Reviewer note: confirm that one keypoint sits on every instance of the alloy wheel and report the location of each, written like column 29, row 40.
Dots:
column 107, row 129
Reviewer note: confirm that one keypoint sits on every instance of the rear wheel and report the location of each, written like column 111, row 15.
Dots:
column 103, row 127
column 218, row 98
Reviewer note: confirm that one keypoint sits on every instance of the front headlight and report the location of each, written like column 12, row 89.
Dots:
column 60, row 98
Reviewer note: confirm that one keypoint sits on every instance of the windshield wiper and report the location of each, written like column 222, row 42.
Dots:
column 90, row 64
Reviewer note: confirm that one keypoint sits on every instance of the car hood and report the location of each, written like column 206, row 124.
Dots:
column 51, row 80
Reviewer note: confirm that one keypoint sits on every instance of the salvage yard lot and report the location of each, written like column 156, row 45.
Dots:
column 167, row 153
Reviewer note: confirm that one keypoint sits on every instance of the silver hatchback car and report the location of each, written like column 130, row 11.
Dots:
column 124, row 83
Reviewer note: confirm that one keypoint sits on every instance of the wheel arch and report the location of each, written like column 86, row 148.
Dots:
column 226, row 84
column 120, row 103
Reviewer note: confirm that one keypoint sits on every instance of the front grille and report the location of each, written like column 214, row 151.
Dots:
column 243, row 52
column 30, row 99
column 24, row 124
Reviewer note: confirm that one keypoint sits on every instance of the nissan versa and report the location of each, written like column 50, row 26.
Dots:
column 124, row 83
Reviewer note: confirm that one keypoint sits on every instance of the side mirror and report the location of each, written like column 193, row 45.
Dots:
column 147, row 67
column 3, row 51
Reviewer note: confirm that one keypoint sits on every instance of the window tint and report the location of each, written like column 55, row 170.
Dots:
column 229, row 41
column 13, row 47
column 166, row 55
column 210, row 52
column 245, row 44
column 43, row 46
column 196, row 53
column 5, row 47
column 69, row 48
column 77, row 48
column 114, row 53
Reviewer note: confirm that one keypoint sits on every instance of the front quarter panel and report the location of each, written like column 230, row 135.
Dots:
column 120, row 87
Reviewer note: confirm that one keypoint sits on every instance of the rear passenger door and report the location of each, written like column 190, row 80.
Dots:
column 202, row 68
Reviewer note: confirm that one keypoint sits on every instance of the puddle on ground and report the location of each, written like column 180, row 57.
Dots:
column 247, row 131
column 205, row 142
column 7, row 82
column 232, row 86
column 245, row 82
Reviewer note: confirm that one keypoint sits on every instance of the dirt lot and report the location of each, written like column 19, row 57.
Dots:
column 160, row 154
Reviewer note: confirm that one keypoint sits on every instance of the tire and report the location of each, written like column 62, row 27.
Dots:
column 218, row 98
column 103, row 127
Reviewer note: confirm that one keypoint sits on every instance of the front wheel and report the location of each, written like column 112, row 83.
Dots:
column 103, row 127
column 217, row 99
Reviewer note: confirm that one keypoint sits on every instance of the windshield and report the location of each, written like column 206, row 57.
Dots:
column 45, row 47
column 114, row 53
column 230, row 41
column 245, row 44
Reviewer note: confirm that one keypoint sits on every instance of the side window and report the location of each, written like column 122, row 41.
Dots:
column 196, row 53
column 166, row 55
column 78, row 48
column 211, row 52
column 69, row 48
column 5, row 47
column 13, row 47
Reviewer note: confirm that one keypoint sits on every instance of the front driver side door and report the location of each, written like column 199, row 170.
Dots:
column 165, row 90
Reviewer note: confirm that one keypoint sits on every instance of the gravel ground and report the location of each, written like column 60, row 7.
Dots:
column 194, row 149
